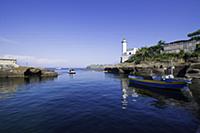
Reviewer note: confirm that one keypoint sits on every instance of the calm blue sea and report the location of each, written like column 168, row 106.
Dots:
column 91, row 102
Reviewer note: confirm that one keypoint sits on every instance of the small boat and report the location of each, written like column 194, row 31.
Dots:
column 72, row 71
column 172, row 84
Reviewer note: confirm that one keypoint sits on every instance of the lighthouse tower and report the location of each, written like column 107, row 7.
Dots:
column 124, row 46
column 126, row 53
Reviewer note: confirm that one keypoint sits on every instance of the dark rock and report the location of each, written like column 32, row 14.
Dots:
column 27, row 72
column 181, row 70
column 33, row 72
column 46, row 73
column 193, row 71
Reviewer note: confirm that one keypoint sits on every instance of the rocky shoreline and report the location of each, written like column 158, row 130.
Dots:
column 187, row 70
column 23, row 72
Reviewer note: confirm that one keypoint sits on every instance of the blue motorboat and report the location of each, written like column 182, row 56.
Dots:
column 158, row 82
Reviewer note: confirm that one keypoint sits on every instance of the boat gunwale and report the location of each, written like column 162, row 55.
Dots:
column 156, row 81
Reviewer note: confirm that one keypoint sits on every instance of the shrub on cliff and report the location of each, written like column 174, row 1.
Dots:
column 154, row 54
column 146, row 53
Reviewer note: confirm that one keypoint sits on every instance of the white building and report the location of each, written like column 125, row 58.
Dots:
column 7, row 63
column 126, row 53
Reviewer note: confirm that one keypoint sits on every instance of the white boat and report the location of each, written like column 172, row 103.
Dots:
column 72, row 71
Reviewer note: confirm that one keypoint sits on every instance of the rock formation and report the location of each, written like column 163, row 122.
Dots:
column 27, row 72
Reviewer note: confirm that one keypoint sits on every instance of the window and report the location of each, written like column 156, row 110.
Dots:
column 129, row 53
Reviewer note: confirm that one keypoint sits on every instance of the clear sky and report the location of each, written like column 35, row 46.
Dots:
column 76, row 33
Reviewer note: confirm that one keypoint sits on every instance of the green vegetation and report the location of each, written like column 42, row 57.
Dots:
column 194, row 34
column 146, row 53
column 154, row 53
column 198, row 48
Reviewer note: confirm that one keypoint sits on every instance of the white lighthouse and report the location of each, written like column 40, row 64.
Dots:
column 126, row 53
column 124, row 46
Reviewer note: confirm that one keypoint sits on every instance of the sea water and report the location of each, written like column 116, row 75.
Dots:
column 91, row 102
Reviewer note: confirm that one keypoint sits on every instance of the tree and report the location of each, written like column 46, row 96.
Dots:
column 181, row 54
column 161, row 42
column 197, row 48
column 186, row 56
column 194, row 34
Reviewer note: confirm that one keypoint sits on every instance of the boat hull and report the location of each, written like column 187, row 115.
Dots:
column 72, row 72
column 157, row 84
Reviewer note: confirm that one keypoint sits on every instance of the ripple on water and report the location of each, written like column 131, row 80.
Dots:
column 91, row 102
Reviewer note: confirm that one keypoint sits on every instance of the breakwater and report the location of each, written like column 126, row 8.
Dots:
column 24, row 72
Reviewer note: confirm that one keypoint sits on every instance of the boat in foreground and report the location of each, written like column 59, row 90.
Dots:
column 172, row 84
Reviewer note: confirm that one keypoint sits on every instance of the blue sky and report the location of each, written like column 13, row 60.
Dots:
column 76, row 33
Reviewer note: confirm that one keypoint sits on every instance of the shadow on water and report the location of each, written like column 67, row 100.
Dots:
column 195, row 89
column 11, row 85
column 157, row 93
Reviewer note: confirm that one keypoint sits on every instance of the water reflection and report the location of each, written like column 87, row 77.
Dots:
column 11, row 85
column 90, row 99
column 71, row 76
column 195, row 89
column 163, row 97
column 127, row 92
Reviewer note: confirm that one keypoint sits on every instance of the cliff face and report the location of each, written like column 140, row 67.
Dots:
column 27, row 72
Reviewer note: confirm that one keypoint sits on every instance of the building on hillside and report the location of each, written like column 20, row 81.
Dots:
column 8, row 63
column 126, row 53
column 177, row 46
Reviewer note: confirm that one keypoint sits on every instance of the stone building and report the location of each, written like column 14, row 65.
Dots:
column 177, row 46
column 8, row 63
column 126, row 53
